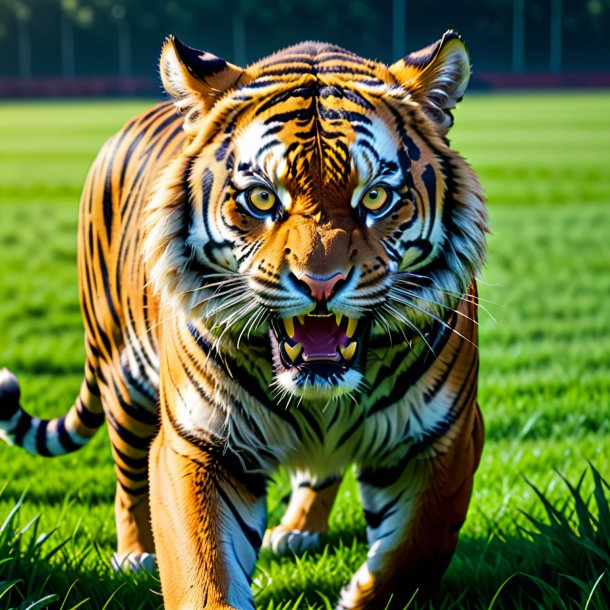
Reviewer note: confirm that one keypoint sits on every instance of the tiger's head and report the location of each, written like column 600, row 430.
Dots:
column 316, row 202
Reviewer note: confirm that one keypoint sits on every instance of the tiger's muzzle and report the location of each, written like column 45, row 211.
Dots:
column 319, row 354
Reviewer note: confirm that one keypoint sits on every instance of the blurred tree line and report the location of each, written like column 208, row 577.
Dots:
column 124, row 37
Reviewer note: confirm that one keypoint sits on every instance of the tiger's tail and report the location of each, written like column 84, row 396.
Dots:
column 48, row 437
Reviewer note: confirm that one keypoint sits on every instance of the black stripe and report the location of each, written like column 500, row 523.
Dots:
column 129, row 153
column 247, row 380
column 371, row 149
column 423, row 245
column 259, row 84
column 92, row 387
column 107, row 200
column 140, row 491
column 412, row 149
column 429, row 179
column 64, row 438
column 305, row 57
column 348, row 433
column 178, row 131
column 136, row 477
column 128, row 437
column 347, row 57
column 19, row 431
column 141, row 355
column 348, row 71
column 221, row 151
column 133, row 410
column 357, row 98
column 288, row 70
column 90, row 307
column 107, row 289
column 431, row 392
column 87, row 417
column 141, row 125
column 207, row 182
column 300, row 114
column 253, row 537
column 131, row 462
column 325, row 484
column 312, row 423
column 9, row 401
column 441, row 334
column 139, row 383
column 445, row 425
column 41, row 439
column 383, row 477
column 375, row 519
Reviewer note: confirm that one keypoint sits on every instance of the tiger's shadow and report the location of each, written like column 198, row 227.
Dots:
column 517, row 569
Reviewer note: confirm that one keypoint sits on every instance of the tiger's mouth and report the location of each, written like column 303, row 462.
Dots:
column 319, row 355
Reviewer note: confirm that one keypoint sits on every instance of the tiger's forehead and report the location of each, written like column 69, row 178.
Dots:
column 326, row 134
column 319, row 59
column 288, row 153
column 323, row 119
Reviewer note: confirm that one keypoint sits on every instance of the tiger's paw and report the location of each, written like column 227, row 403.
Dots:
column 284, row 541
column 359, row 592
column 134, row 562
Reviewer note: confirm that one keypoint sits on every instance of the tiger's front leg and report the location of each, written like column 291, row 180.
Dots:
column 414, row 511
column 306, row 516
column 208, row 518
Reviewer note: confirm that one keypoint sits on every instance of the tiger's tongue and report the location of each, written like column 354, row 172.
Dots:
column 320, row 337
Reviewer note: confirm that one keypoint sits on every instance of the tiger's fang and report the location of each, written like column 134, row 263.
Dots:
column 351, row 327
column 293, row 351
column 349, row 351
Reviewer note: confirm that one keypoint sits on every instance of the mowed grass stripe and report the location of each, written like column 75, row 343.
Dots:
column 535, row 149
column 544, row 383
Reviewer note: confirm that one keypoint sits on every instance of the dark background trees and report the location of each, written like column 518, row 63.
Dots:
column 123, row 37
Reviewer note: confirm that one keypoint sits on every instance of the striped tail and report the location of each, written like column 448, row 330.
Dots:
column 48, row 437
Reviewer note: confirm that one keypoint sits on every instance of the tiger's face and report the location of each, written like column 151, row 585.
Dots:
column 318, row 203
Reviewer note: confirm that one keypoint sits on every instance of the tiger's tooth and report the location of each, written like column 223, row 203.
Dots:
column 289, row 325
column 349, row 351
column 338, row 318
column 301, row 318
column 293, row 351
column 351, row 327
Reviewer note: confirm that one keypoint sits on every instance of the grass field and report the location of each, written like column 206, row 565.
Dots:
column 544, row 383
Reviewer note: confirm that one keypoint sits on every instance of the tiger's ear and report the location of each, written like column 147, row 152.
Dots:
column 195, row 79
column 436, row 77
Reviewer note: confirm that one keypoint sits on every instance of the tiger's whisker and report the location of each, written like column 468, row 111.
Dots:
column 407, row 293
column 436, row 318
column 397, row 314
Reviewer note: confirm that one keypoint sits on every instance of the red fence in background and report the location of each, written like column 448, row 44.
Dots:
column 539, row 80
column 89, row 86
column 109, row 86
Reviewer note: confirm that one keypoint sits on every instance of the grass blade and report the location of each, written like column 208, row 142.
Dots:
column 41, row 603
column 593, row 589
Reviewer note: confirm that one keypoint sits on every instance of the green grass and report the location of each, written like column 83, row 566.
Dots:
column 544, row 383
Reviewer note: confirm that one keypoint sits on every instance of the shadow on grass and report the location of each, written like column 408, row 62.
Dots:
column 560, row 562
column 43, row 570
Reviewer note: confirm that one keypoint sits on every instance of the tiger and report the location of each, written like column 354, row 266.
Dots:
column 278, row 266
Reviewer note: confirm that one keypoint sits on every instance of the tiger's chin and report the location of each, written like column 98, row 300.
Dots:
column 319, row 357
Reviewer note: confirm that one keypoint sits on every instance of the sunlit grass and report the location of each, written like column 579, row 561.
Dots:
column 545, row 355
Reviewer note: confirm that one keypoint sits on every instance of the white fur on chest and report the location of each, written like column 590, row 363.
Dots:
column 319, row 440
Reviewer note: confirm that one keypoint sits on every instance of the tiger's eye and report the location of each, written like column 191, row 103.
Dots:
column 375, row 198
column 261, row 199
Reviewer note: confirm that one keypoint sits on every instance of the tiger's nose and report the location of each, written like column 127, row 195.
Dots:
column 323, row 288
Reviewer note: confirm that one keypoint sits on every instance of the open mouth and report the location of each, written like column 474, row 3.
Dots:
column 319, row 349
